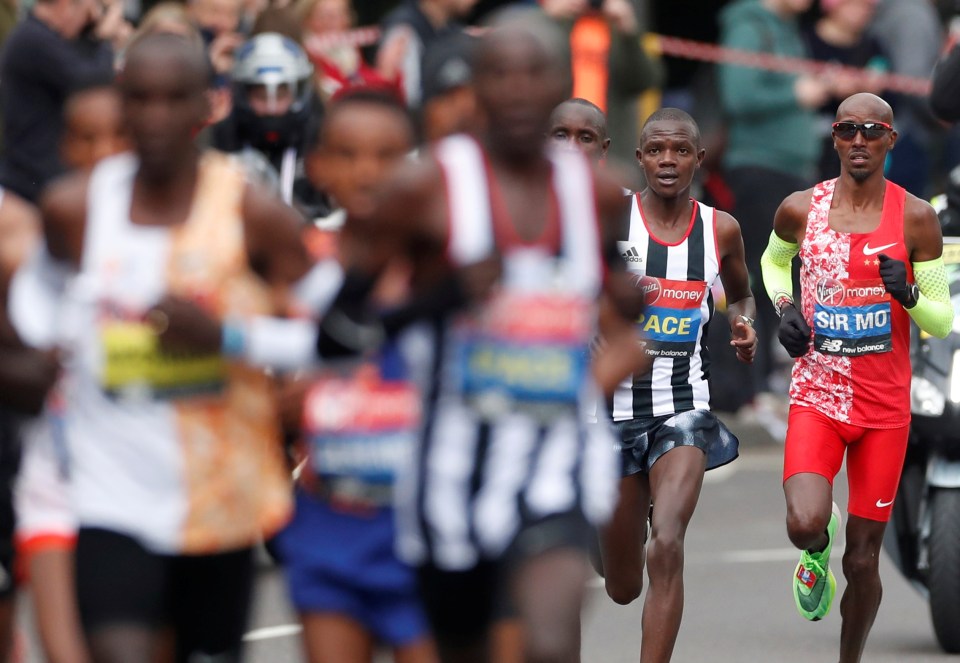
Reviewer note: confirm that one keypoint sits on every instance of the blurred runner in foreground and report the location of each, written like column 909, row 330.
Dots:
column 359, row 422
column 507, row 478
column 176, row 468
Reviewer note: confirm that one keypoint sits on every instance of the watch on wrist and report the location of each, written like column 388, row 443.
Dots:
column 746, row 319
column 780, row 301
column 913, row 295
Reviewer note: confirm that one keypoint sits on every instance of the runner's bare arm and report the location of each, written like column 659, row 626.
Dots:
column 736, row 284
column 63, row 217
column 619, row 349
column 19, row 233
column 272, row 231
column 27, row 374
column 620, row 353
column 612, row 207
column 921, row 230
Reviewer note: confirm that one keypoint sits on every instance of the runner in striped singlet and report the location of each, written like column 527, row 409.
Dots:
column 676, row 248
column 507, row 476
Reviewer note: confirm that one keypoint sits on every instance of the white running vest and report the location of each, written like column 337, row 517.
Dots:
column 678, row 280
column 181, row 453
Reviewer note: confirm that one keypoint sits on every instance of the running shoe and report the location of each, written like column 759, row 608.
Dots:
column 813, row 582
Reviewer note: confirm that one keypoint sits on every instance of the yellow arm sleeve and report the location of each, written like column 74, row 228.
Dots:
column 775, row 266
column 933, row 311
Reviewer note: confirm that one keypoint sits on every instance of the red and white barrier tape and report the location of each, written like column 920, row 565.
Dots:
column 693, row 50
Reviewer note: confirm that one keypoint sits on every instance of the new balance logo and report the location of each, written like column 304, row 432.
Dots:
column 631, row 255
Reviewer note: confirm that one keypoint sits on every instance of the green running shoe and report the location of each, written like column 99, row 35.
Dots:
column 813, row 582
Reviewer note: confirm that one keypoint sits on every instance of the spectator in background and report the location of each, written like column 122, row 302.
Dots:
column 609, row 66
column 910, row 33
column 337, row 65
column 771, row 149
column 215, row 18
column 840, row 37
column 218, row 22
column 168, row 17
column 44, row 58
column 408, row 32
column 281, row 20
column 945, row 95
column 448, row 101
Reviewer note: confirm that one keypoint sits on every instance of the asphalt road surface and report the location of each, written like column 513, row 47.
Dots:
column 739, row 608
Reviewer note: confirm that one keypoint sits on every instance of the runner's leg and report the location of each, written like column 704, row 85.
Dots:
column 675, row 482
column 622, row 540
column 121, row 588
column 874, row 463
column 58, row 621
column 861, row 598
column 549, row 590
column 812, row 456
column 809, row 505
column 332, row 638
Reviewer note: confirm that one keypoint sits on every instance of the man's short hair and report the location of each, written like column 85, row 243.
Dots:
column 674, row 115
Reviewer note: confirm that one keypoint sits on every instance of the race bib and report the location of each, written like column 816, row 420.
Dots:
column 134, row 365
column 851, row 318
column 528, row 349
column 360, row 431
column 670, row 323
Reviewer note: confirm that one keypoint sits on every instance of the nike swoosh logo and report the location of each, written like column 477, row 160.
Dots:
column 882, row 505
column 812, row 600
column 868, row 251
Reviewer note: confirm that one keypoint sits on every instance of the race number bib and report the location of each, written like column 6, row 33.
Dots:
column 360, row 430
column 528, row 349
column 134, row 365
column 670, row 323
column 851, row 318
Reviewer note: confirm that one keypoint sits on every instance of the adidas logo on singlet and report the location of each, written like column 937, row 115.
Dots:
column 631, row 255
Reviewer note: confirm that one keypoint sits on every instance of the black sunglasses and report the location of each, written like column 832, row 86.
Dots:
column 869, row 130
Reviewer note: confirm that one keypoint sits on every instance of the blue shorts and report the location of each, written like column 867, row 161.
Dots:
column 643, row 441
column 345, row 564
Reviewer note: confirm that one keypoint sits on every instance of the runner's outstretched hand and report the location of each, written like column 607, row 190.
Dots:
column 794, row 333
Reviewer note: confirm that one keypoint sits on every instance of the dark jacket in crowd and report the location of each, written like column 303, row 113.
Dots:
column 37, row 72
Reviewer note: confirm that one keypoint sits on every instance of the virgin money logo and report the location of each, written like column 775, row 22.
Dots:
column 830, row 292
column 650, row 287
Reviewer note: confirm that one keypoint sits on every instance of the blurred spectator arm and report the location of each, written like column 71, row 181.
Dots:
column 945, row 94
